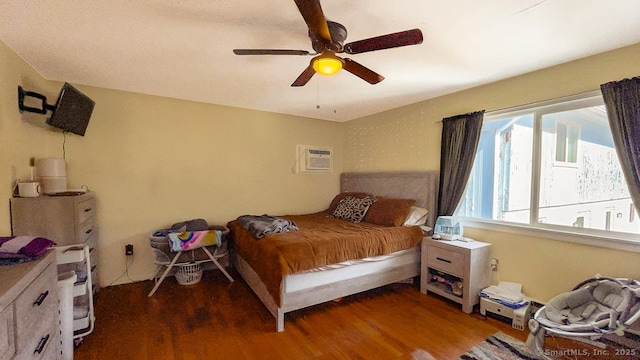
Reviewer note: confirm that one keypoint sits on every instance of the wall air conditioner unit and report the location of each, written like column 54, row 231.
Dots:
column 314, row 159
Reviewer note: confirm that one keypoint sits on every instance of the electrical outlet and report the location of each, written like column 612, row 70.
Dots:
column 494, row 264
column 128, row 249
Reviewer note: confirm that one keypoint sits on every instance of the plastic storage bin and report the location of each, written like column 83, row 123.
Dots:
column 65, row 306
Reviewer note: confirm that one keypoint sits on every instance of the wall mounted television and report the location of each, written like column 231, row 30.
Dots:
column 72, row 111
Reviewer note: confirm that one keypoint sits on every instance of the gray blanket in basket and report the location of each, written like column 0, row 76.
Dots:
column 262, row 225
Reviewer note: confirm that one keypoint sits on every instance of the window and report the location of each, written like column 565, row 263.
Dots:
column 551, row 166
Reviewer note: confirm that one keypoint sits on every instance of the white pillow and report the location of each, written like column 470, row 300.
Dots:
column 417, row 216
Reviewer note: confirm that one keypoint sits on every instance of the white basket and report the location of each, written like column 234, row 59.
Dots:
column 189, row 274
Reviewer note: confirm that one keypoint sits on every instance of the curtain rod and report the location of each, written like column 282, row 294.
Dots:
column 578, row 96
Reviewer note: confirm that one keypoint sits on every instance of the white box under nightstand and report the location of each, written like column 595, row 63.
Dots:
column 519, row 317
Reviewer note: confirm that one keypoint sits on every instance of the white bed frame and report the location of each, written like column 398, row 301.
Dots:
column 421, row 186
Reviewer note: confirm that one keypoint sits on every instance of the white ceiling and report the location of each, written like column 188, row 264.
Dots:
column 183, row 49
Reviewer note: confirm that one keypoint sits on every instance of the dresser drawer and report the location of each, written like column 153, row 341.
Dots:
column 448, row 261
column 93, row 255
column 85, row 210
column 50, row 349
column 43, row 344
column 34, row 307
column 92, row 241
column 85, row 231
column 7, row 345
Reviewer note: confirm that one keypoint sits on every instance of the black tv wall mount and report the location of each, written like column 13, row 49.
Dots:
column 41, row 110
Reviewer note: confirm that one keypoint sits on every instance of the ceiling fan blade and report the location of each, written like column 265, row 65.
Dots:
column 269, row 52
column 362, row 72
column 402, row 38
column 312, row 13
column 304, row 78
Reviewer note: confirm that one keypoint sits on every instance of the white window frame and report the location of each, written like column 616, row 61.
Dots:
column 607, row 239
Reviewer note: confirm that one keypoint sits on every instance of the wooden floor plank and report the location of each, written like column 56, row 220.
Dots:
column 222, row 320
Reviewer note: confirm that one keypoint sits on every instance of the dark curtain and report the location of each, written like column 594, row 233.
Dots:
column 460, row 137
column 622, row 99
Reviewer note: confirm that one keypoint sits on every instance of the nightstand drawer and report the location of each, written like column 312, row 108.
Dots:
column 450, row 262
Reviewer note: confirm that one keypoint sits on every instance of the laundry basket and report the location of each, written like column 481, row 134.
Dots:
column 188, row 274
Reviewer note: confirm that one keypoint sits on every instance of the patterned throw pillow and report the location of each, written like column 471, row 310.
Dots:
column 352, row 209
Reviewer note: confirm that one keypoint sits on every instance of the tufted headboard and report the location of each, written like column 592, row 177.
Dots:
column 420, row 186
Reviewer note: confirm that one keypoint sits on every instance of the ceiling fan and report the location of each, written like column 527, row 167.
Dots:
column 327, row 39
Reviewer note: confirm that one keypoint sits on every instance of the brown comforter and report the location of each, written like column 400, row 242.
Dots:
column 320, row 240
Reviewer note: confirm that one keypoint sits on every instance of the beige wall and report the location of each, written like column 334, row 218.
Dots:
column 408, row 138
column 155, row 161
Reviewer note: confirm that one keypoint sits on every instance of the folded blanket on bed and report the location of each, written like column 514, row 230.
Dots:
column 189, row 240
column 18, row 249
column 262, row 225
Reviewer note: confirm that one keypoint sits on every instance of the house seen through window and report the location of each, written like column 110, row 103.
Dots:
column 552, row 166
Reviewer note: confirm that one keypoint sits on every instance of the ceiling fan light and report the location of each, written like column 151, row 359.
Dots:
column 327, row 65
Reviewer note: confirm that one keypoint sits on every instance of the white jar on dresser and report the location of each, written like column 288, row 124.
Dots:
column 29, row 324
column 66, row 220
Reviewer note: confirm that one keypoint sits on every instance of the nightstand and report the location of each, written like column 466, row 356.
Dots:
column 456, row 270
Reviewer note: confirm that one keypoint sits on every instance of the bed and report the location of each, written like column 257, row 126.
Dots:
column 325, row 265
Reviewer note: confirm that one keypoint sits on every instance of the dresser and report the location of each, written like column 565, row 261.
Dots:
column 29, row 323
column 456, row 270
column 66, row 220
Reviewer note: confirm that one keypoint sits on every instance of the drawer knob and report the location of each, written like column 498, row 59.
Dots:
column 87, row 209
column 41, row 298
column 88, row 231
column 445, row 260
column 41, row 344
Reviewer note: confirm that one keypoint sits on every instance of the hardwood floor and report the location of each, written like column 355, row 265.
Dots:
column 216, row 319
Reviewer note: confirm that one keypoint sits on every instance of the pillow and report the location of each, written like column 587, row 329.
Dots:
column 388, row 212
column 336, row 200
column 417, row 216
column 352, row 208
